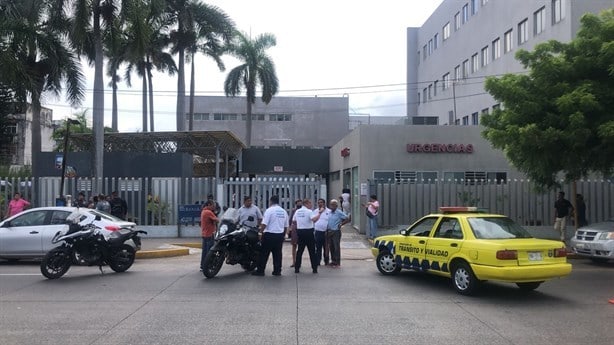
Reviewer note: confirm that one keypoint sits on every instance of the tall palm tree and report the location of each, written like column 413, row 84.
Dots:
column 257, row 68
column 114, row 45
column 194, row 20
column 43, row 57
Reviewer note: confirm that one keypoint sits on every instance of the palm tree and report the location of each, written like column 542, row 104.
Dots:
column 257, row 68
column 194, row 21
column 42, row 57
column 115, row 45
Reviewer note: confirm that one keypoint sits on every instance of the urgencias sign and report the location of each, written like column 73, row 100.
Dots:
column 439, row 148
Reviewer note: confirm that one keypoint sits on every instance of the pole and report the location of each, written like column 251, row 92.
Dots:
column 64, row 159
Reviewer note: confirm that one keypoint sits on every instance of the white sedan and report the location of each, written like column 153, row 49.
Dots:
column 29, row 233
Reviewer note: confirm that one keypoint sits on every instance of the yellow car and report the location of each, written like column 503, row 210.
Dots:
column 471, row 247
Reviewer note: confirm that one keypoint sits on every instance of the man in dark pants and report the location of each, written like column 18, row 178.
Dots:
column 273, row 229
column 304, row 226
column 320, row 218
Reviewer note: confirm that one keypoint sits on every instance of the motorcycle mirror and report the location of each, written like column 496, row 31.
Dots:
column 97, row 218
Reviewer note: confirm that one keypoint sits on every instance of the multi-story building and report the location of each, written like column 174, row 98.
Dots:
column 463, row 42
column 18, row 149
column 315, row 122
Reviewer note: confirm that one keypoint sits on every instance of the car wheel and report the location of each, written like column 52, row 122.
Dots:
column 599, row 260
column 386, row 264
column 464, row 280
column 529, row 286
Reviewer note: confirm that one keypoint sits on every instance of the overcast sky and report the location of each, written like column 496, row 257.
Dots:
column 324, row 48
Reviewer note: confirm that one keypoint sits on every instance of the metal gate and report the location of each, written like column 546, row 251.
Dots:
column 261, row 189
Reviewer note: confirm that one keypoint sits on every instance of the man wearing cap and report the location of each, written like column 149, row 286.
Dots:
column 273, row 229
column 335, row 221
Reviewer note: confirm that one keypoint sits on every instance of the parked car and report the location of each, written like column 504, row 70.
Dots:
column 29, row 233
column 472, row 247
column 595, row 241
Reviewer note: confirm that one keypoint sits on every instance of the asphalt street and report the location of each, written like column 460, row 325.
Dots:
column 168, row 301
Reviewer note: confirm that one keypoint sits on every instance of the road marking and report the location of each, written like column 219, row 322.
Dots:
column 20, row 274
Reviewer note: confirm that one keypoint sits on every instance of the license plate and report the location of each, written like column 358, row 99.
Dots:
column 535, row 256
column 580, row 245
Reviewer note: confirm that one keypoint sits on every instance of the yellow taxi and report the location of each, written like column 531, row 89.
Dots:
column 471, row 247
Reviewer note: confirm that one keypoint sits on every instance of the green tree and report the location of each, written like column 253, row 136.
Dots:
column 559, row 117
column 257, row 69
column 194, row 21
column 42, row 57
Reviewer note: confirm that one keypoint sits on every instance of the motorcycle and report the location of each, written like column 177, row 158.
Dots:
column 234, row 244
column 86, row 245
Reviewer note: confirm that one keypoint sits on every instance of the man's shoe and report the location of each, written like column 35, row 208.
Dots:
column 276, row 273
column 297, row 271
column 258, row 274
column 315, row 271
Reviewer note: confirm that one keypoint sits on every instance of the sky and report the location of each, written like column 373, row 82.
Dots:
column 340, row 48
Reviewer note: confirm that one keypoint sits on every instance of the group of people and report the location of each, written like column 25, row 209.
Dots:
column 564, row 209
column 111, row 204
column 317, row 229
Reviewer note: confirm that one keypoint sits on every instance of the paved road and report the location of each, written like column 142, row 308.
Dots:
column 167, row 301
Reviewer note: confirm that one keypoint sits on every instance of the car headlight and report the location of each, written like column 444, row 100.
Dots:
column 223, row 229
column 607, row 236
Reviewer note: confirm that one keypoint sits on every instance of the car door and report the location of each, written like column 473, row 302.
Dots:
column 445, row 241
column 411, row 248
column 22, row 236
column 57, row 222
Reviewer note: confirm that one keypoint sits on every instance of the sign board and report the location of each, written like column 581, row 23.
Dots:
column 278, row 168
column 58, row 160
column 189, row 214
column 364, row 190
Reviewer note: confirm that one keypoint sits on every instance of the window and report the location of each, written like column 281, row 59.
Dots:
column 523, row 31
column 457, row 73
column 435, row 85
column 419, row 98
column 430, row 47
column 383, row 175
column 33, row 218
column 475, row 63
column 475, row 119
column 466, row 120
column 435, row 41
column 539, row 21
column 558, row 11
column 224, row 117
column 446, row 31
column 457, row 21
column 255, row 117
column 485, row 56
column 475, row 177
column 465, row 13
column 424, row 95
column 474, row 7
column 424, row 52
column 496, row 49
column 457, row 122
column 507, row 41
column 430, row 91
column 423, row 228
column 465, row 69
column 449, row 228
column 446, row 81
column 425, row 120
column 280, row 117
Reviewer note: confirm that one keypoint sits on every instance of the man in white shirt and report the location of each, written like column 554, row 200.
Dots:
column 248, row 209
column 273, row 229
column 320, row 218
column 304, row 226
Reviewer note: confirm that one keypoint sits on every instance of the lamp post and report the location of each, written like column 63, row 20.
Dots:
column 66, row 135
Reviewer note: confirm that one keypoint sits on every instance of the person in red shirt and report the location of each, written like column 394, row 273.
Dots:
column 16, row 205
column 208, row 225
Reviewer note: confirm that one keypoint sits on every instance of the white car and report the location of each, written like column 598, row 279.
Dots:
column 595, row 241
column 29, row 233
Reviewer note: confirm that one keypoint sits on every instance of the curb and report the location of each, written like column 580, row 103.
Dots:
column 197, row 245
column 162, row 253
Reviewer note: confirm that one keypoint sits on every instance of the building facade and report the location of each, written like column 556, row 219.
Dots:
column 285, row 121
column 17, row 150
column 463, row 42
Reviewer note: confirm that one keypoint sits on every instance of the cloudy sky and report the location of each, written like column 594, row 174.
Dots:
column 324, row 48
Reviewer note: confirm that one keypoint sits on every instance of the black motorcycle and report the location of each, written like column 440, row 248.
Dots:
column 234, row 244
column 86, row 245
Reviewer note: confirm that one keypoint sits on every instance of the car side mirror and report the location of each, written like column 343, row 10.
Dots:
column 403, row 232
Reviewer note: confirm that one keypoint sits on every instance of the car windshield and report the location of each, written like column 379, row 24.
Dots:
column 496, row 228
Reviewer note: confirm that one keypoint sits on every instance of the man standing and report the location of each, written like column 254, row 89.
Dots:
column 273, row 229
column 208, row 224
column 16, row 205
column 562, row 209
column 81, row 202
column 249, row 209
column 216, row 207
column 304, row 229
column 292, row 233
column 335, row 221
column 320, row 217
column 119, row 208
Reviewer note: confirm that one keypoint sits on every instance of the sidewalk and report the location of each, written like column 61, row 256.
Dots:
column 354, row 246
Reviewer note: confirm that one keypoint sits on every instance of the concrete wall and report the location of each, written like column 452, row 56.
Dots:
column 292, row 161
column 315, row 121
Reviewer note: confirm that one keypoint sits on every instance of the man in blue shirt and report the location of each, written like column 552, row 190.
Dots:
column 336, row 220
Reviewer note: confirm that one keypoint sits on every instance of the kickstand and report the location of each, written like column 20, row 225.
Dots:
column 100, row 268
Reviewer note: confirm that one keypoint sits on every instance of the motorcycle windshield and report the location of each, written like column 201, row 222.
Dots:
column 231, row 214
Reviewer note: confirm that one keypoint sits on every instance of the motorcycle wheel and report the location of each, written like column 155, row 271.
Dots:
column 213, row 263
column 55, row 263
column 122, row 258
